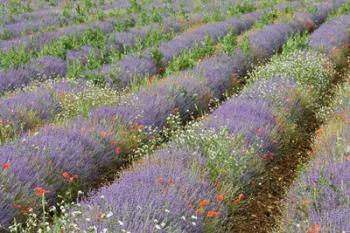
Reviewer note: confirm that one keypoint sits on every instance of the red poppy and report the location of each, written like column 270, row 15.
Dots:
column 160, row 180
column 40, row 192
column 258, row 130
column 161, row 70
column 269, row 156
column 190, row 205
column 82, row 130
column 203, row 203
column 72, row 178
column 6, row 166
column 103, row 134
column 238, row 200
column 219, row 197
column 118, row 150
column 66, row 175
column 171, row 181
column 213, row 214
column 314, row 229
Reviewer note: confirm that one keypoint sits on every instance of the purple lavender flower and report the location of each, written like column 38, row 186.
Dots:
column 253, row 118
column 131, row 69
column 25, row 110
column 222, row 72
column 184, row 94
column 214, row 31
column 331, row 36
column 25, row 27
column 37, row 41
column 154, row 195
column 40, row 69
column 82, row 55
column 269, row 40
column 124, row 40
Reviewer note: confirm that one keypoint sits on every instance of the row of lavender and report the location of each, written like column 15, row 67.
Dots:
column 78, row 155
column 318, row 201
column 189, row 185
column 192, row 183
column 31, row 103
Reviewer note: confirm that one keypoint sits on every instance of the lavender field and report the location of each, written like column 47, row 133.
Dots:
column 175, row 116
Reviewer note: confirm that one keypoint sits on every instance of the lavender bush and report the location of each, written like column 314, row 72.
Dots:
column 37, row 41
column 40, row 69
column 332, row 37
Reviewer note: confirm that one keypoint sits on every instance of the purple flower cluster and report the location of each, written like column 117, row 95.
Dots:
column 82, row 55
column 26, row 27
column 214, row 31
column 120, row 41
column 28, row 16
column 37, row 41
column 131, row 69
column 161, row 194
column 332, row 35
column 270, row 39
column 40, row 69
column 25, row 110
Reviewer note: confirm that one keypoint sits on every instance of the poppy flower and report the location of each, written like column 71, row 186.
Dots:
column 258, row 130
column 268, row 156
column 40, row 192
column 117, row 150
column 72, row 178
column 219, row 197
column 213, row 214
column 171, row 181
column 238, row 200
column 314, row 229
column 161, row 70
column 66, row 175
column 103, row 134
column 6, row 166
column 160, row 180
column 203, row 203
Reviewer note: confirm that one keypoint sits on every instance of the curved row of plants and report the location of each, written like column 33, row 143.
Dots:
column 77, row 156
